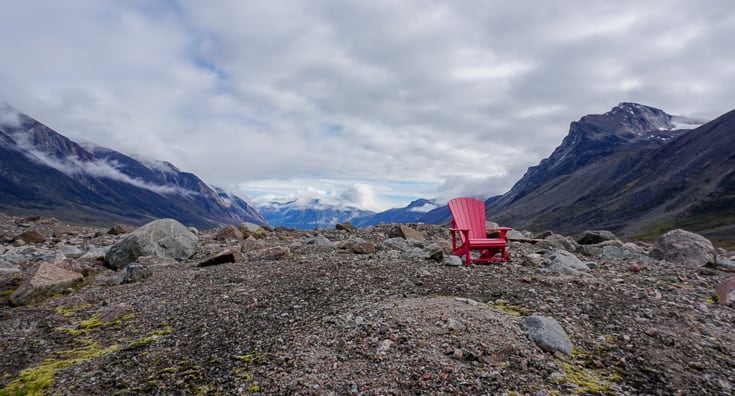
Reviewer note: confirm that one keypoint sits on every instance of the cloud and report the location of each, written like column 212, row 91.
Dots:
column 73, row 166
column 9, row 117
column 452, row 97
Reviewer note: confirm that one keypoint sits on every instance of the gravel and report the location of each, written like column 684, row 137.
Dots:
column 322, row 320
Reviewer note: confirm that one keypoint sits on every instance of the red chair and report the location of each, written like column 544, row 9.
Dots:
column 468, row 220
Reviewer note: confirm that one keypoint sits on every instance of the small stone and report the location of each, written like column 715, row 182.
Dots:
column 453, row 261
column 384, row 347
column 651, row 331
column 634, row 267
column 455, row 325
column 136, row 272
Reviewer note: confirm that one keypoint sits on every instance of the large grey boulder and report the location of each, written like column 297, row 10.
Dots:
column 684, row 248
column 548, row 334
column 163, row 238
column 47, row 280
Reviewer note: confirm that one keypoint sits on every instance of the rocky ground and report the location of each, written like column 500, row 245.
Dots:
column 359, row 311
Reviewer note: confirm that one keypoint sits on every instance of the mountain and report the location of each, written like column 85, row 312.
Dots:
column 44, row 173
column 634, row 170
column 310, row 213
column 410, row 214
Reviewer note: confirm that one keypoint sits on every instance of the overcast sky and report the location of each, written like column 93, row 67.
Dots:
column 370, row 102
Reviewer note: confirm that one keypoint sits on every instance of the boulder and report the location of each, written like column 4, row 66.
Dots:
column 346, row 226
column 407, row 233
column 163, row 238
column 359, row 246
column 397, row 243
column 591, row 237
column 566, row 263
column 32, row 236
column 136, row 272
column 515, row 235
column 453, row 261
column 229, row 233
column 47, row 280
column 726, row 291
column 119, row 229
column 7, row 268
column 320, row 240
column 435, row 252
column 226, row 256
column 250, row 229
column 548, row 334
column 685, row 249
column 557, row 242
column 725, row 264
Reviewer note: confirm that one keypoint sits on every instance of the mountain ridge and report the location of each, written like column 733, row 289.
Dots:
column 43, row 172
column 633, row 177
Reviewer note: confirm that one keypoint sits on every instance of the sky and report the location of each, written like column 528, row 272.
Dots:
column 368, row 103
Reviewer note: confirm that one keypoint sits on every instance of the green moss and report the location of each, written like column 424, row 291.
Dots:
column 515, row 310
column 587, row 380
column 34, row 380
column 94, row 322
column 69, row 311
column 6, row 293
column 245, row 373
column 713, row 299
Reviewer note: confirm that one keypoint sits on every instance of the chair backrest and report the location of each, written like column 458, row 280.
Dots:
column 469, row 213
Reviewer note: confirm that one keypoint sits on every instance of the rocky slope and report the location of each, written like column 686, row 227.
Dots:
column 632, row 171
column 43, row 172
column 364, row 311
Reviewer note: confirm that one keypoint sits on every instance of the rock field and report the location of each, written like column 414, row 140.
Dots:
column 380, row 310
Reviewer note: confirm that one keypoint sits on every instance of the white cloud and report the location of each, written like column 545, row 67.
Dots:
column 9, row 117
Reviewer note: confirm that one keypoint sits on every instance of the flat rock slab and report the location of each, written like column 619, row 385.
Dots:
column 47, row 280
column 548, row 334
column 226, row 256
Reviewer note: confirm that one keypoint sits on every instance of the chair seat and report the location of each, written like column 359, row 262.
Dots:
column 489, row 242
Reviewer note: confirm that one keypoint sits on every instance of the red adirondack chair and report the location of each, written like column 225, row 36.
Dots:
column 468, row 220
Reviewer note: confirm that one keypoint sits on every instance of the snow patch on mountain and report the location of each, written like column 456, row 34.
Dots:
column 427, row 207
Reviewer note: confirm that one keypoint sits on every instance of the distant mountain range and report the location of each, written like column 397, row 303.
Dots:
column 45, row 173
column 634, row 170
column 309, row 214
